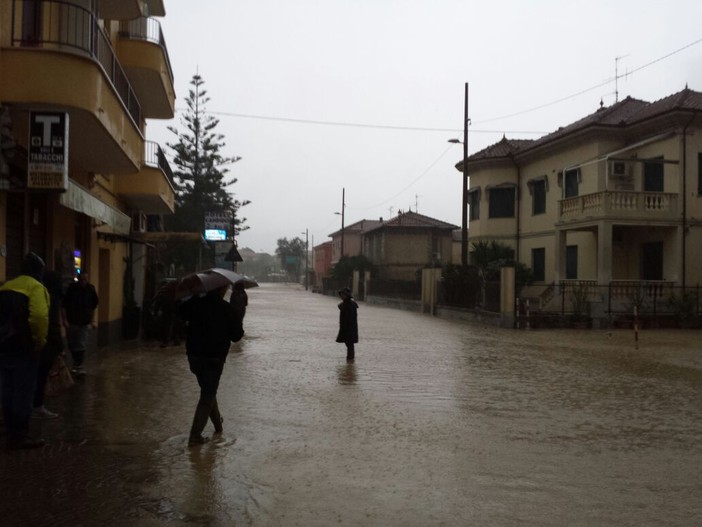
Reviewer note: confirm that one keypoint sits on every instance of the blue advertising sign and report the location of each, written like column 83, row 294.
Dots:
column 215, row 235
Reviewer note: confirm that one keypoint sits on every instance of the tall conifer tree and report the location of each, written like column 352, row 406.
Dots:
column 201, row 173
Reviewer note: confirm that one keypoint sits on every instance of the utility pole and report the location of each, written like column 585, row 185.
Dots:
column 343, row 207
column 464, row 204
column 307, row 253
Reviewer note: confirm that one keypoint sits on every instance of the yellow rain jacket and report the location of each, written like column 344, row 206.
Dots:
column 38, row 298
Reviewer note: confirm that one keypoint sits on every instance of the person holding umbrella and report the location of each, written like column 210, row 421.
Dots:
column 212, row 325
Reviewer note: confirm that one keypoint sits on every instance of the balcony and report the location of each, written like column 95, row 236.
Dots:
column 61, row 59
column 121, row 9
column 144, row 55
column 151, row 189
column 619, row 205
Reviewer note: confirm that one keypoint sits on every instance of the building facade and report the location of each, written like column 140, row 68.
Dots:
column 613, row 199
column 401, row 246
column 350, row 237
column 78, row 178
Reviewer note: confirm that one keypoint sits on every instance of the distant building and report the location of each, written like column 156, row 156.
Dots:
column 322, row 258
column 401, row 246
column 352, row 236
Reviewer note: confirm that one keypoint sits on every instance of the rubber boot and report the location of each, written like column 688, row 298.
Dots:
column 202, row 414
column 216, row 418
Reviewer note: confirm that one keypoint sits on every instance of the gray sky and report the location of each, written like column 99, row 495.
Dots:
column 398, row 67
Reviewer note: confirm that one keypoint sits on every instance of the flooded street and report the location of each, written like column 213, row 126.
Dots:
column 437, row 423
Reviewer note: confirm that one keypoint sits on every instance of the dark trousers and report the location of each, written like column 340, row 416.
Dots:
column 350, row 351
column 77, row 340
column 18, row 377
column 208, row 371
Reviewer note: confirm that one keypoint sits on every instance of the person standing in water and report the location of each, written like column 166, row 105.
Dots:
column 348, row 323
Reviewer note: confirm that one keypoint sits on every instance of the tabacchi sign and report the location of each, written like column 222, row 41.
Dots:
column 48, row 151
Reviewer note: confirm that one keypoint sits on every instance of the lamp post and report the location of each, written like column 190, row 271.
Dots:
column 307, row 252
column 464, row 198
column 343, row 206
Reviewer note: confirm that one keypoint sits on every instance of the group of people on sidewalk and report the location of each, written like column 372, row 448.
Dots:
column 35, row 313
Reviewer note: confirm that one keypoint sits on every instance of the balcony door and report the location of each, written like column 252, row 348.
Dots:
column 652, row 261
column 653, row 175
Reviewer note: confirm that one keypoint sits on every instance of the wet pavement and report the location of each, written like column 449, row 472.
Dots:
column 437, row 423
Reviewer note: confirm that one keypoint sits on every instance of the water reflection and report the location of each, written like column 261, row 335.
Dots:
column 347, row 374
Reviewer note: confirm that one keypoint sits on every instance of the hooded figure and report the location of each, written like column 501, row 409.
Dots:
column 348, row 323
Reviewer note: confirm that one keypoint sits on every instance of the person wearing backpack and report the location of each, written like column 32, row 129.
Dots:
column 24, row 324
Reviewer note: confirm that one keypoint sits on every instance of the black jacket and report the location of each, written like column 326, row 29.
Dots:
column 79, row 303
column 348, row 321
column 212, row 326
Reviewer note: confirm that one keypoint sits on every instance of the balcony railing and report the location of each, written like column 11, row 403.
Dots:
column 155, row 158
column 618, row 203
column 53, row 24
column 148, row 29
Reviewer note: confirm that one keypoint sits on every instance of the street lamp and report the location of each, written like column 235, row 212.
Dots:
column 343, row 206
column 464, row 198
column 307, row 252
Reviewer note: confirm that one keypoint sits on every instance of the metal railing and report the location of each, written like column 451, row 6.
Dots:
column 155, row 157
column 148, row 29
column 57, row 25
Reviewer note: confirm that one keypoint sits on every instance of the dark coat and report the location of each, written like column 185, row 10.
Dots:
column 348, row 321
column 79, row 303
column 212, row 326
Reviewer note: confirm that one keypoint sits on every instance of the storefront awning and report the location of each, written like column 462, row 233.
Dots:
column 114, row 237
column 79, row 199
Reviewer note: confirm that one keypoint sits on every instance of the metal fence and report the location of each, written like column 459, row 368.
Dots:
column 408, row 290
column 621, row 303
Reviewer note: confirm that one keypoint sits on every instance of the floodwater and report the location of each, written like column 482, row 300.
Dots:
column 437, row 423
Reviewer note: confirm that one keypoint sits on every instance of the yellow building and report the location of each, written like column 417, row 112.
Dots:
column 403, row 245
column 614, row 199
column 350, row 237
column 78, row 79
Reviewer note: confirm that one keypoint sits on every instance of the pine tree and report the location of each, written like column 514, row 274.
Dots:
column 201, row 177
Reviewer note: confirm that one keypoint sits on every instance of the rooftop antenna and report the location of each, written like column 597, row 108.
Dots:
column 616, row 77
column 416, row 203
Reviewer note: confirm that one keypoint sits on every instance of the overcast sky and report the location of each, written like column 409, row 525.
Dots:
column 398, row 68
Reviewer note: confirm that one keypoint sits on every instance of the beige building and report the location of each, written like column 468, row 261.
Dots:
column 78, row 179
column 612, row 199
column 402, row 245
column 351, row 238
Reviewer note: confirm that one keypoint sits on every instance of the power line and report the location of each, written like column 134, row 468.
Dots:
column 361, row 125
column 605, row 83
column 455, row 130
column 420, row 176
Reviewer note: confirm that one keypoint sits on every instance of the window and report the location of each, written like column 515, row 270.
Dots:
column 474, row 202
column 538, row 264
column 538, row 196
column 653, row 175
column 572, row 262
column 502, row 202
column 572, row 182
